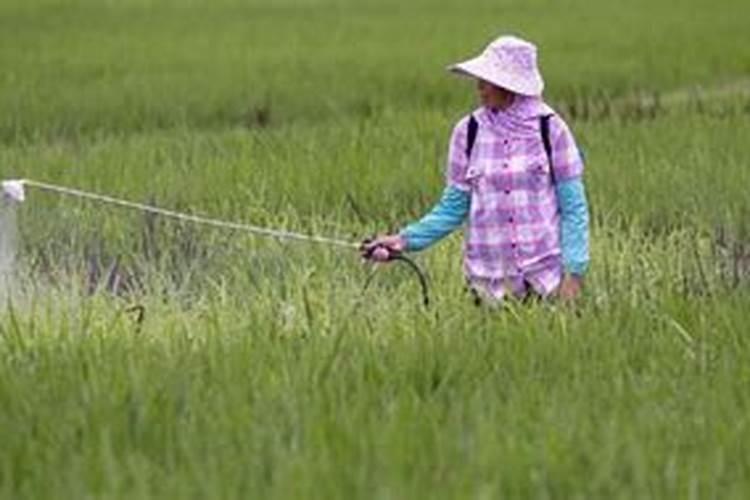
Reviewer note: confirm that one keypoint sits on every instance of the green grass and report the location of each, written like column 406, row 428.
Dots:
column 264, row 369
column 93, row 68
column 223, row 402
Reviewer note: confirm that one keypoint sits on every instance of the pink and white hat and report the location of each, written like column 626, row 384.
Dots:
column 508, row 62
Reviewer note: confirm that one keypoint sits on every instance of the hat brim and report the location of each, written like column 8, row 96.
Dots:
column 479, row 68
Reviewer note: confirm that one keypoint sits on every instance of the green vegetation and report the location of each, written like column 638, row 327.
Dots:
column 262, row 369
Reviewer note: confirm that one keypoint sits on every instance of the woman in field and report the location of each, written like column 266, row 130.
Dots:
column 514, row 174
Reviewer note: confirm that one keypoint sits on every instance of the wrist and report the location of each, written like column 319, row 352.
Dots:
column 574, row 278
column 403, row 237
column 575, row 269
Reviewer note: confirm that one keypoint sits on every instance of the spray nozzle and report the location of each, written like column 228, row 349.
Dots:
column 13, row 190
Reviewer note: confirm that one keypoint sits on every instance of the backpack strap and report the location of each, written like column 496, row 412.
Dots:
column 544, row 127
column 471, row 135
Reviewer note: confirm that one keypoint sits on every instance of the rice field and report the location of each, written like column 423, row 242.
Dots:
column 147, row 358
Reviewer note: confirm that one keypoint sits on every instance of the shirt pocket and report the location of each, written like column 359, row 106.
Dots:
column 476, row 168
column 538, row 175
column 537, row 171
column 473, row 173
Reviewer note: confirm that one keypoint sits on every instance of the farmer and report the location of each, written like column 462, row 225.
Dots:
column 515, row 173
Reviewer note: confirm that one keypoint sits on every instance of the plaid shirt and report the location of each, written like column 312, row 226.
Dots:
column 513, row 232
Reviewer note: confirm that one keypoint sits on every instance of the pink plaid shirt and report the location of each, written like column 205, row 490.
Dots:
column 513, row 233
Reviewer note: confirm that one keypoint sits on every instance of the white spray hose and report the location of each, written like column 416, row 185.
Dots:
column 14, row 190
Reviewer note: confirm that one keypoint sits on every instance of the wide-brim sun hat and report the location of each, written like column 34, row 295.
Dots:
column 508, row 62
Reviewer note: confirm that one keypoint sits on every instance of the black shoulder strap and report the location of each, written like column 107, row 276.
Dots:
column 471, row 135
column 544, row 127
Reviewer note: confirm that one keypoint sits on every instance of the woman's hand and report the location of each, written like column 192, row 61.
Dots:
column 570, row 288
column 382, row 248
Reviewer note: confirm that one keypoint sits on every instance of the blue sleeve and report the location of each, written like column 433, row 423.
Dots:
column 447, row 215
column 574, row 215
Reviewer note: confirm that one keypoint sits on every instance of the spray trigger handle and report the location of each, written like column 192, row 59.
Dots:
column 378, row 251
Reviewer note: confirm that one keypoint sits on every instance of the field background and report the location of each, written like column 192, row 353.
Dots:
column 261, row 369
